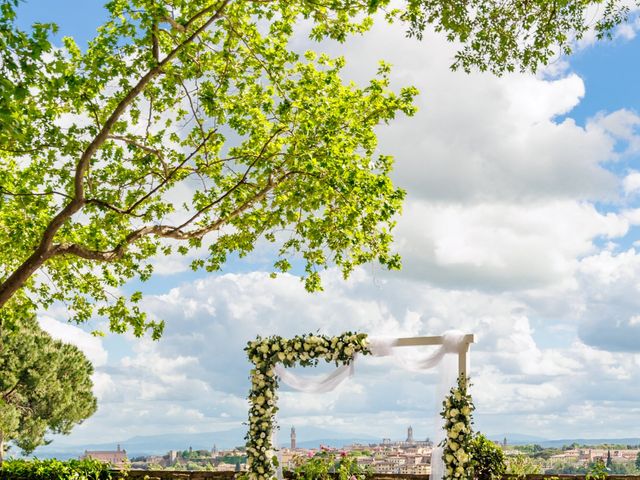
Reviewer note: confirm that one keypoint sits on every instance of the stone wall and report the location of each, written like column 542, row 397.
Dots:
column 186, row 475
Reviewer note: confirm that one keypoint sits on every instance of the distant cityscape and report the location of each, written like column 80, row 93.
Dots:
column 410, row 456
column 406, row 457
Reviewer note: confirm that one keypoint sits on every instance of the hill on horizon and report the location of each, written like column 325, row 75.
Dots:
column 308, row 437
column 519, row 439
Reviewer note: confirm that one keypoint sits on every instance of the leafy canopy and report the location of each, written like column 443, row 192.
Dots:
column 45, row 386
column 192, row 126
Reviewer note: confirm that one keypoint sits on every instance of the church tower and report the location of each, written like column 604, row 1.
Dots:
column 410, row 435
column 293, row 438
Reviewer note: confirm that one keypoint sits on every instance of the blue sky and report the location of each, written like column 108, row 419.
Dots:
column 520, row 222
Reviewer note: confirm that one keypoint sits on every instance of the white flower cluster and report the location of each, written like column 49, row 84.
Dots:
column 265, row 354
column 457, row 414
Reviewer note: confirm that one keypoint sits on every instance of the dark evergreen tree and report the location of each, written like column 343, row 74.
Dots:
column 45, row 386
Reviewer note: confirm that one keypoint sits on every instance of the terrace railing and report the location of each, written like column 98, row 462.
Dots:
column 205, row 475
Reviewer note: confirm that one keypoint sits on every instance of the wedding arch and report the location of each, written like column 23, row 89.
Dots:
column 271, row 357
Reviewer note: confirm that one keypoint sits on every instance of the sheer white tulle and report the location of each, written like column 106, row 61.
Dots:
column 452, row 343
column 308, row 384
column 315, row 384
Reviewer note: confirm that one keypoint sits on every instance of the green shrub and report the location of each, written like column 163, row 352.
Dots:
column 327, row 463
column 54, row 470
column 522, row 465
column 597, row 471
column 487, row 459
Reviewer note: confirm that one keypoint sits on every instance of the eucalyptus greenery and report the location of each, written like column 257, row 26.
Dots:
column 192, row 126
column 265, row 354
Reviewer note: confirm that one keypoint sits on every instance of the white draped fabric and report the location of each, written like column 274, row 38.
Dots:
column 452, row 343
column 315, row 384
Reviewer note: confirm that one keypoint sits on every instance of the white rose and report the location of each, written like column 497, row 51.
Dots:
column 462, row 457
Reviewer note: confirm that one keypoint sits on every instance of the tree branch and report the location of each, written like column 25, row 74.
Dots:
column 6, row 395
column 44, row 249
column 240, row 182
column 129, row 210
column 175, row 25
column 33, row 194
column 164, row 231
column 155, row 46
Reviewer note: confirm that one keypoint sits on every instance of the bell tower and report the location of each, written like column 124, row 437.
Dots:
column 293, row 438
column 410, row 435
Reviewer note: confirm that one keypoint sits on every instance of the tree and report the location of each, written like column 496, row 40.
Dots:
column 190, row 125
column 45, row 386
column 638, row 461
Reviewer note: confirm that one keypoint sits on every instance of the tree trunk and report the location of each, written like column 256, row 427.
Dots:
column 18, row 278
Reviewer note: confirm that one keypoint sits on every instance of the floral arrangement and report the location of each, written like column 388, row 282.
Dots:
column 265, row 354
column 457, row 446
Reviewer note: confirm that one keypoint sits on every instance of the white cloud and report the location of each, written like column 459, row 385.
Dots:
column 198, row 372
column 610, row 289
column 629, row 30
column 90, row 345
column 631, row 183
column 478, row 137
column 498, row 245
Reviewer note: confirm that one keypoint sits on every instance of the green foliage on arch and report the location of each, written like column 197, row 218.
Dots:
column 265, row 354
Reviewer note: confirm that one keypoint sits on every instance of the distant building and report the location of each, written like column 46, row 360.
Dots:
column 410, row 435
column 293, row 438
column 117, row 458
